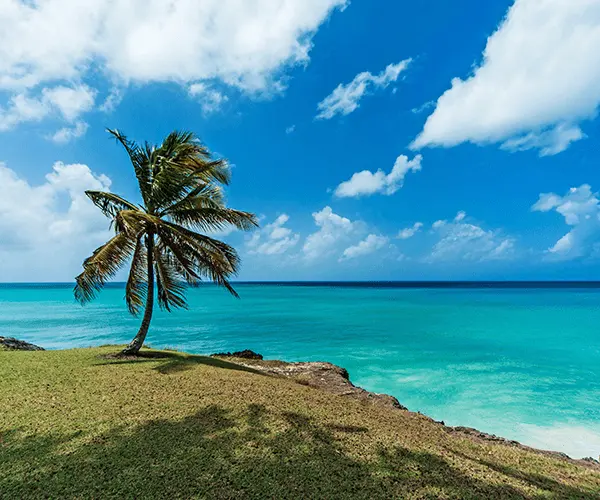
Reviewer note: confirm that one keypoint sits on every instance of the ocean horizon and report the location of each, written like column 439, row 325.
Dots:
column 520, row 359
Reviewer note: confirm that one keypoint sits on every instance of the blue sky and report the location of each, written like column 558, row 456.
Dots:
column 376, row 140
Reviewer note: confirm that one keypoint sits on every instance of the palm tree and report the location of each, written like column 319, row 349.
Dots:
column 181, row 189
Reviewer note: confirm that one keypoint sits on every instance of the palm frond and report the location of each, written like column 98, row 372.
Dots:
column 101, row 266
column 209, row 219
column 181, row 187
column 200, row 255
column 205, row 195
column 137, row 282
column 181, row 164
column 132, row 222
column 140, row 161
column 171, row 290
column 110, row 204
column 177, row 180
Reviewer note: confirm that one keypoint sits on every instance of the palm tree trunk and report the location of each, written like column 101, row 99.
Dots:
column 136, row 344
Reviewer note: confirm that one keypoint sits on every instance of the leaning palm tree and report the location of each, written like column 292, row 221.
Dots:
column 181, row 191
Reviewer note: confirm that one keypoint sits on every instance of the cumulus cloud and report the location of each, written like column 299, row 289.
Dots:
column 409, row 232
column 274, row 238
column 346, row 98
column 67, row 134
column 67, row 103
column 367, row 183
column 459, row 240
column 333, row 230
column 47, row 230
column 210, row 99
column 580, row 208
column 539, row 79
column 242, row 43
column 371, row 244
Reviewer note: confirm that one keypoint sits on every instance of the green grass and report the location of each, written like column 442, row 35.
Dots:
column 75, row 425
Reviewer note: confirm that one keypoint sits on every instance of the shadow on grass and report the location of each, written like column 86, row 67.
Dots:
column 537, row 480
column 172, row 362
column 214, row 454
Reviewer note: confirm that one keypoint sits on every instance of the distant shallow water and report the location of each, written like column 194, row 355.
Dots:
column 522, row 362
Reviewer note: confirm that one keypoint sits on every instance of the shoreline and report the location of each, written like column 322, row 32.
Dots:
column 335, row 380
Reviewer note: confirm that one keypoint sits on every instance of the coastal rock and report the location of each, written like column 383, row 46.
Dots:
column 335, row 379
column 324, row 376
column 18, row 345
column 245, row 354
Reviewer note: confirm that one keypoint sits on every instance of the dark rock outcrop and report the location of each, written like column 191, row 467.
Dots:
column 335, row 380
column 245, row 354
column 18, row 345
column 324, row 376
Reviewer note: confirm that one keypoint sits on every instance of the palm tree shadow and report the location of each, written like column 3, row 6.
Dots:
column 537, row 480
column 173, row 362
column 218, row 454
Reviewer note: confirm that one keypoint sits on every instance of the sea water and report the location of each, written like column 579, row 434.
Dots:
column 519, row 362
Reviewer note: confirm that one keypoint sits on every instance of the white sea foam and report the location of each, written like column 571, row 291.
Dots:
column 574, row 440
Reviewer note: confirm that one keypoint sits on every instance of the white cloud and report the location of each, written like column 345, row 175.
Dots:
column 424, row 107
column 539, row 78
column 274, row 238
column 290, row 129
column 463, row 241
column 549, row 142
column 242, row 43
column 67, row 134
column 368, row 246
column 460, row 216
column 346, row 98
column 71, row 102
column 333, row 230
column 210, row 99
column 47, row 230
column 367, row 183
column 580, row 208
column 112, row 100
column 409, row 232
column 60, row 101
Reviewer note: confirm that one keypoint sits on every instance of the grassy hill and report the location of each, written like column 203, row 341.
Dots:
column 75, row 424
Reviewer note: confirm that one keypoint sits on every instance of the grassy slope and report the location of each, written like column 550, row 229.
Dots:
column 72, row 424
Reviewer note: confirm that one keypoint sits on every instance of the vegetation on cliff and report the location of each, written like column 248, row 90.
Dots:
column 80, row 424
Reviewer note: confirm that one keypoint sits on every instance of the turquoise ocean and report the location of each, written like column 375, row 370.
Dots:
column 521, row 362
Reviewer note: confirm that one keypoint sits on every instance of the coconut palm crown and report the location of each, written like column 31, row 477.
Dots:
column 181, row 190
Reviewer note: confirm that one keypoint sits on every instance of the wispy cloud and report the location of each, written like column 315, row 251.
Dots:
column 346, row 98
column 460, row 240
